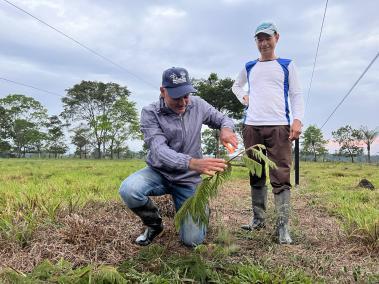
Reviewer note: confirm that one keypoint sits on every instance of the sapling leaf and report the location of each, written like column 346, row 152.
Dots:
column 195, row 207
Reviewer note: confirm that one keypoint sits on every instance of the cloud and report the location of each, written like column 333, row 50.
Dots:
column 166, row 12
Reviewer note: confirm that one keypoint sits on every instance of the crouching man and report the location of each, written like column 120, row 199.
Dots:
column 172, row 132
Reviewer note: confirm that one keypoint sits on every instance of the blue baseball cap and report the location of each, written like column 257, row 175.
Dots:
column 266, row 28
column 177, row 82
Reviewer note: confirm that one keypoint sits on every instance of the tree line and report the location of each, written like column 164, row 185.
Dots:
column 100, row 119
column 351, row 141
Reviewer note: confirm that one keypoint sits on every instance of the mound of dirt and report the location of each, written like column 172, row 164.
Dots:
column 366, row 184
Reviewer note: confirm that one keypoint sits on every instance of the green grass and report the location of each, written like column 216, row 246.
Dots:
column 62, row 180
column 333, row 186
column 156, row 265
column 33, row 191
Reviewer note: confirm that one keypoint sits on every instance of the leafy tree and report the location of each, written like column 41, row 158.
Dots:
column 313, row 142
column 81, row 140
column 4, row 123
column 124, row 125
column 5, row 146
column 119, row 149
column 103, row 107
column 23, row 107
column 368, row 137
column 55, row 136
column 4, row 133
column 348, row 139
column 37, row 142
column 211, row 145
column 25, row 135
column 24, row 118
column 218, row 93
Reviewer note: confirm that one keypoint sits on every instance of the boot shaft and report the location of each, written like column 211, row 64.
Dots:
column 259, row 201
column 149, row 214
column 282, row 207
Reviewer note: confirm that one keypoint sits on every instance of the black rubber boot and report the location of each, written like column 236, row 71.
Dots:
column 282, row 206
column 149, row 215
column 259, row 203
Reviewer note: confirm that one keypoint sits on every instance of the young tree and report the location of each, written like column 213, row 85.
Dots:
column 368, row 137
column 94, row 103
column 218, row 92
column 348, row 139
column 313, row 142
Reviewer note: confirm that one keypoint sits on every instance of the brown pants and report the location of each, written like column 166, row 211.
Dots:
column 279, row 150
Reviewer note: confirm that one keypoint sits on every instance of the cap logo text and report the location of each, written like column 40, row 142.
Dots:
column 179, row 80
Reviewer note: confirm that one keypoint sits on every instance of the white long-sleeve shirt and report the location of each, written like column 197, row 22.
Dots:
column 272, row 87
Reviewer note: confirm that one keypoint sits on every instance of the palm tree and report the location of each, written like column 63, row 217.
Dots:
column 368, row 138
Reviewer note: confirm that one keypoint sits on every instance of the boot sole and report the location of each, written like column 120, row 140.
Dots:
column 253, row 228
column 147, row 241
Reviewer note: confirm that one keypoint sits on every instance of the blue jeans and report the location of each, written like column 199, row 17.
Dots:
column 136, row 188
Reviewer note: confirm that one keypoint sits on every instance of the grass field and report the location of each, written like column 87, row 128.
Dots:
column 335, row 187
column 62, row 221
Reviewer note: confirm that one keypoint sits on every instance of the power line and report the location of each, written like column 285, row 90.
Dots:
column 29, row 86
column 351, row 89
column 314, row 62
column 82, row 45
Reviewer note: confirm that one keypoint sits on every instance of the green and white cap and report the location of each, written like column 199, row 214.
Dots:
column 266, row 28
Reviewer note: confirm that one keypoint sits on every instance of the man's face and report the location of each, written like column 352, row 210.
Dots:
column 266, row 43
column 176, row 105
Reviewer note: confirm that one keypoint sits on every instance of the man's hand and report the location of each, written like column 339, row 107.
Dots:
column 295, row 130
column 245, row 100
column 208, row 166
column 228, row 136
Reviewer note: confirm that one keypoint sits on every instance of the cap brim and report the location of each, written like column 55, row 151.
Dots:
column 268, row 31
column 180, row 91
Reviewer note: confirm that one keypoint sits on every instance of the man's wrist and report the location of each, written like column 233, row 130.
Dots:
column 298, row 120
column 227, row 128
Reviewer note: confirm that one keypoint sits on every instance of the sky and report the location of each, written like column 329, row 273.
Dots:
column 143, row 38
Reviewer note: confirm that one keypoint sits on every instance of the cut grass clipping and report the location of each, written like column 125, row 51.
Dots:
column 196, row 206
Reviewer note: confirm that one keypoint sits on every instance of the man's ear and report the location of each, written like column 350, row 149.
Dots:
column 162, row 91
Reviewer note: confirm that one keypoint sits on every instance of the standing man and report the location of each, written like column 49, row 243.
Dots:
column 273, row 86
column 172, row 132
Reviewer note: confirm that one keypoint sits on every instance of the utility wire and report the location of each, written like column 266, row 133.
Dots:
column 351, row 89
column 314, row 62
column 82, row 45
column 29, row 86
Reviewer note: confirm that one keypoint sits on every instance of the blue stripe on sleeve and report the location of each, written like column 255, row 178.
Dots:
column 284, row 63
column 249, row 65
